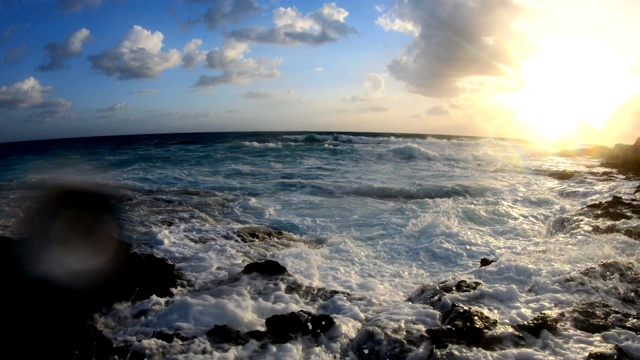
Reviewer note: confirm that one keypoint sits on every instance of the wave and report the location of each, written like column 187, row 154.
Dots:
column 413, row 152
column 417, row 193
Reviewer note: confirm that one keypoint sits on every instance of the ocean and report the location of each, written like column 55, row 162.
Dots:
column 371, row 227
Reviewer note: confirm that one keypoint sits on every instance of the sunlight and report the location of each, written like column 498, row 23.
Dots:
column 571, row 81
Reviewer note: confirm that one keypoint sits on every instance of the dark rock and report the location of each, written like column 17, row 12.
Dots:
column 285, row 327
column 372, row 343
column 310, row 294
column 596, row 317
column 544, row 321
column 432, row 295
column 616, row 354
column 461, row 325
column 620, row 279
column 257, row 335
column 486, row 262
column 267, row 267
column 223, row 334
column 169, row 337
column 72, row 256
column 259, row 234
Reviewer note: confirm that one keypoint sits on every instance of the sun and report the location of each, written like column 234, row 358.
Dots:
column 569, row 83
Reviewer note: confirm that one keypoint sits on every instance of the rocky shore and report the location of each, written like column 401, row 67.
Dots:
column 60, row 310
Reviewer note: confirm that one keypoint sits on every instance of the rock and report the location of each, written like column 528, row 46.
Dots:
column 596, row 317
column 461, row 325
column 486, row 262
column 544, row 321
column 372, row 343
column 267, row 267
column 73, row 259
column 285, row 327
column 616, row 354
column 620, row 279
column 249, row 234
column 223, row 334
column 432, row 295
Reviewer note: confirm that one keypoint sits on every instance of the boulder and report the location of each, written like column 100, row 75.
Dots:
column 267, row 267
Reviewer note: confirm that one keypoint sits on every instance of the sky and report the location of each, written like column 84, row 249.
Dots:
column 564, row 70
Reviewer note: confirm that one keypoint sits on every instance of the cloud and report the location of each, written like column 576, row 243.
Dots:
column 455, row 39
column 260, row 94
column 374, row 82
column 139, row 56
column 191, row 56
column 50, row 109
column 325, row 25
column 23, row 94
column 145, row 91
column 236, row 69
column 76, row 5
column 16, row 55
column 318, row 69
column 117, row 107
column 7, row 34
column 28, row 94
column 228, row 11
column 57, row 53
column 437, row 110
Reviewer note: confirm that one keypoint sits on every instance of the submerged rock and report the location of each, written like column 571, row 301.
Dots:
column 250, row 234
column 597, row 317
column 620, row 279
column 267, row 267
column 372, row 343
column 432, row 294
column 486, row 262
column 280, row 329
column 462, row 325
column 544, row 321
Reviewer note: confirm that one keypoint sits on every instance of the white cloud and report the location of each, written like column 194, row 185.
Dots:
column 456, row 39
column 260, row 94
column 437, row 110
column 23, row 94
column 139, row 56
column 191, row 56
column 117, row 107
column 29, row 94
column 375, row 83
column 236, row 69
column 77, row 5
column 319, row 69
column 326, row 24
column 57, row 53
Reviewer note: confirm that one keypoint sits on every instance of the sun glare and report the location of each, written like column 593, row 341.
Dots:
column 570, row 81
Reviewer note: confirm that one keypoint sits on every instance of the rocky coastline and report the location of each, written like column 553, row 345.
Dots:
column 64, row 313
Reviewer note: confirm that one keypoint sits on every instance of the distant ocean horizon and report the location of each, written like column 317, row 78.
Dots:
column 383, row 232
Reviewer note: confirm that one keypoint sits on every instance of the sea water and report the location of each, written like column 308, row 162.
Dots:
column 374, row 216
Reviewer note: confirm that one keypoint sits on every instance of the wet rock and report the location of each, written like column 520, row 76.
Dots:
column 624, row 158
column 544, row 321
column 620, row 279
column 612, row 229
column 72, row 256
column 461, row 325
column 616, row 354
column 224, row 334
column 250, row 234
column 433, row 294
column 285, row 327
column 616, row 209
column 596, row 317
column 169, row 337
column 372, row 343
column 486, row 262
column 310, row 294
column 267, row 267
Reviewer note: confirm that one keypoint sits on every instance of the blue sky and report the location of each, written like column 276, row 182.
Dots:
column 526, row 69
